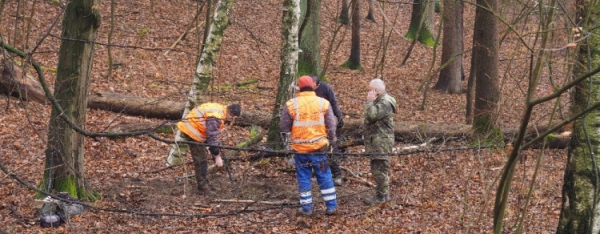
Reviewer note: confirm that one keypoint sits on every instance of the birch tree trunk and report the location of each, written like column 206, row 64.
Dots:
column 201, row 77
column 580, row 211
column 64, row 166
column 289, row 64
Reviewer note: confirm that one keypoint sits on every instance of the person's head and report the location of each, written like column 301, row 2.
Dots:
column 233, row 110
column 306, row 83
column 377, row 85
column 316, row 79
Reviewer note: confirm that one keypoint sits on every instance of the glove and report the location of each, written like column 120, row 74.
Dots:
column 213, row 150
column 340, row 123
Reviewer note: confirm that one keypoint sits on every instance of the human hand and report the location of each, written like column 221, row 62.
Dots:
column 340, row 123
column 218, row 161
column 372, row 95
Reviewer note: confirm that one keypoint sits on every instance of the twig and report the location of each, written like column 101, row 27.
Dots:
column 357, row 178
column 180, row 38
column 250, row 201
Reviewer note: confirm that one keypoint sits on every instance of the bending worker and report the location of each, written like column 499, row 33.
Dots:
column 203, row 124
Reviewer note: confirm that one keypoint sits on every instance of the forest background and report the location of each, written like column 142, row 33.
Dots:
column 433, row 191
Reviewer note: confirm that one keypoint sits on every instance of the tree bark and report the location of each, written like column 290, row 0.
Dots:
column 421, row 22
column 371, row 12
column 450, row 79
column 580, row 211
column 201, row 77
column 354, row 60
column 344, row 16
column 289, row 64
column 309, row 60
column 485, row 52
column 64, row 166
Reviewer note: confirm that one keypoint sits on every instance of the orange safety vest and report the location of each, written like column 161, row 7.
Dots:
column 309, row 133
column 194, row 124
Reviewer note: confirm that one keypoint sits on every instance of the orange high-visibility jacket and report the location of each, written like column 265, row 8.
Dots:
column 194, row 123
column 309, row 133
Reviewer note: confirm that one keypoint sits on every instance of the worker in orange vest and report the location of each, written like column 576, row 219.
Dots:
column 311, row 125
column 203, row 124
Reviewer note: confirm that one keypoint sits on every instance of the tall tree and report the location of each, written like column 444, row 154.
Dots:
column 354, row 61
column 344, row 16
column 580, row 211
column 371, row 12
column 309, row 61
column 485, row 52
column 452, row 45
column 421, row 22
column 289, row 63
column 203, row 73
column 64, row 166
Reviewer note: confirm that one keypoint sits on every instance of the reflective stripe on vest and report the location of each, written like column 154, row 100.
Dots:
column 198, row 117
column 308, row 128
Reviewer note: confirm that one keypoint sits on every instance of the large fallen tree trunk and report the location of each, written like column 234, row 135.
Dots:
column 405, row 131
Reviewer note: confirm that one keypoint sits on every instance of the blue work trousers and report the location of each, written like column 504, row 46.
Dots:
column 305, row 165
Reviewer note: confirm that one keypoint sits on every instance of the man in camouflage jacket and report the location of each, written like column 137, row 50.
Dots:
column 379, row 137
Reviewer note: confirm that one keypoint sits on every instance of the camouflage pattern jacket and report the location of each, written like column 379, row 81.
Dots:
column 379, row 125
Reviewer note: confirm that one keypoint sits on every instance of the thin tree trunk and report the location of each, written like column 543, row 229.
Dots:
column 289, row 64
column 110, row 34
column 201, row 77
column 65, row 170
column 354, row 60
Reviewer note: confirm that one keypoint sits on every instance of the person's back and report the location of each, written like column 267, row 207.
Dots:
column 310, row 123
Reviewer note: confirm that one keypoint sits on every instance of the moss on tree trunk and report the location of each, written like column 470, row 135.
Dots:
column 581, row 194
column 65, row 170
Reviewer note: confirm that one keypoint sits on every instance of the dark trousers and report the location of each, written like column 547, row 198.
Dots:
column 200, row 159
column 336, row 171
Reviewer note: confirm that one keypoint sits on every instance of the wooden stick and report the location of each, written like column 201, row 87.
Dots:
column 250, row 201
column 181, row 37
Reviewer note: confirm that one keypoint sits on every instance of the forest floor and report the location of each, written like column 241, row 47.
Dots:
column 432, row 192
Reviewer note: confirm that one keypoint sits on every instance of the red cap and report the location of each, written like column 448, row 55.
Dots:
column 306, row 81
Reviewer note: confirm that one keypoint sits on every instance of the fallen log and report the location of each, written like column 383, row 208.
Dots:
column 13, row 82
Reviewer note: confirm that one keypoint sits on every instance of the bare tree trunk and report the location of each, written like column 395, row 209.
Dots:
column 421, row 22
column 485, row 52
column 371, row 13
column 309, row 61
column 354, row 60
column 450, row 79
column 289, row 64
column 201, row 77
column 110, row 34
column 65, row 170
column 344, row 16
